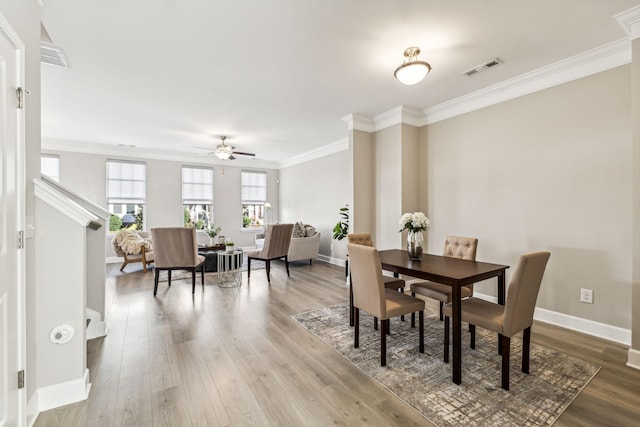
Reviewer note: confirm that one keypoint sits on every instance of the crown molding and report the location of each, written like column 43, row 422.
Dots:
column 360, row 122
column 400, row 114
column 585, row 64
column 323, row 151
column 145, row 154
column 629, row 20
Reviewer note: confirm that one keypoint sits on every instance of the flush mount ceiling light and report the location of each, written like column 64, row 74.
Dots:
column 412, row 71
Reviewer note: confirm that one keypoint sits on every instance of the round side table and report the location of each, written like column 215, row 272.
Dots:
column 230, row 269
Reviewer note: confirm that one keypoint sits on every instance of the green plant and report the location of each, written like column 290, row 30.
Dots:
column 229, row 243
column 187, row 218
column 115, row 223
column 199, row 224
column 140, row 218
column 246, row 221
column 341, row 229
column 213, row 230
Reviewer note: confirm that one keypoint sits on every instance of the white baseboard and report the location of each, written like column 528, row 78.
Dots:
column 57, row 395
column 32, row 410
column 331, row 260
column 633, row 358
column 589, row 327
column 113, row 260
column 97, row 327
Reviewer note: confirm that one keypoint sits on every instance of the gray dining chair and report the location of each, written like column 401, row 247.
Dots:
column 370, row 294
column 509, row 319
column 455, row 247
column 276, row 246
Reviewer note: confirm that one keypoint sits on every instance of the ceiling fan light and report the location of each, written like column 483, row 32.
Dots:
column 223, row 155
column 412, row 71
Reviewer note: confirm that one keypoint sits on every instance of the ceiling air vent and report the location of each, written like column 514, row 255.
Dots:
column 482, row 67
column 50, row 54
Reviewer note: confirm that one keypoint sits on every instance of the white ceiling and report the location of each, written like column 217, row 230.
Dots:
column 278, row 76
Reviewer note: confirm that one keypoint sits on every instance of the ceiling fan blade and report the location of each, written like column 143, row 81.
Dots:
column 231, row 157
column 210, row 153
column 242, row 153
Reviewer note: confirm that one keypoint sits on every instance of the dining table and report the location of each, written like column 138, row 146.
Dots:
column 449, row 271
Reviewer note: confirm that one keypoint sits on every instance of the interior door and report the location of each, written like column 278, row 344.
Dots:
column 11, row 218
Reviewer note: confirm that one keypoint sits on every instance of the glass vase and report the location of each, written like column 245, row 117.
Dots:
column 414, row 244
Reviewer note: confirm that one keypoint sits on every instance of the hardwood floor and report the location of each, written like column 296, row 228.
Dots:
column 233, row 357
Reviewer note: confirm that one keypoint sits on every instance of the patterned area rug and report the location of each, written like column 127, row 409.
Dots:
column 424, row 381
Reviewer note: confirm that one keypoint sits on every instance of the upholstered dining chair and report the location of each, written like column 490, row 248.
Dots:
column 370, row 294
column 509, row 319
column 276, row 246
column 389, row 282
column 455, row 247
column 175, row 248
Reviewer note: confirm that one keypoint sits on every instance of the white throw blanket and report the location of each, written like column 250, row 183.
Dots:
column 131, row 243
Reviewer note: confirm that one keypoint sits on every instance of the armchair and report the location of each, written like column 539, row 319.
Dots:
column 133, row 246
column 176, row 249
column 276, row 246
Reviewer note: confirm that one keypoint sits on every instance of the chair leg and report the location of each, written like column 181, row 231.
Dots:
column 155, row 281
column 413, row 315
column 383, row 341
column 268, row 268
column 526, row 347
column 248, row 267
column 401, row 290
column 193, row 280
column 421, row 329
column 506, row 341
column 441, row 315
column 123, row 265
column 375, row 323
column 356, row 327
column 499, row 344
column 310, row 261
column 350, row 302
column 446, row 340
column 169, row 277
column 202, row 274
column 472, row 336
column 286, row 263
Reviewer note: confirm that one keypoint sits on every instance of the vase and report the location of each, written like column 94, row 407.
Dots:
column 212, row 241
column 414, row 244
column 230, row 249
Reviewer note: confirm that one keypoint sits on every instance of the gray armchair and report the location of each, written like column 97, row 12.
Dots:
column 175, row 248
column 276, row 246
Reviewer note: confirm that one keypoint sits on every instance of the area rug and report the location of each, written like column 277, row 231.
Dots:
column 424, row 381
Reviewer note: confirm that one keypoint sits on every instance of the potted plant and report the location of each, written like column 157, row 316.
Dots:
column 230, row 246
column 341, row 229
column 213, row 231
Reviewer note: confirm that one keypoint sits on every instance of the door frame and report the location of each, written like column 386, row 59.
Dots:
column 7, row 31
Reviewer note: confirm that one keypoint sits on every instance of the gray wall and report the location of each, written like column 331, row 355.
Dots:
column 313, row 192
column 85, row 174
column 547, row 171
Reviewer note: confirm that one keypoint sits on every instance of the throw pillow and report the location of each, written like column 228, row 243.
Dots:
column 309, row 230
column 298, row 230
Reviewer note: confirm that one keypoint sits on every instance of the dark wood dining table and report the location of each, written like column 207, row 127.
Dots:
column 449, row 271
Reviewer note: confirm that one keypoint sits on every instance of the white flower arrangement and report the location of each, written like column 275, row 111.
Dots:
column 416, row 221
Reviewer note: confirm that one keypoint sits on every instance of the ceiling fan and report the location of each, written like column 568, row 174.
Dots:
column 226, row 152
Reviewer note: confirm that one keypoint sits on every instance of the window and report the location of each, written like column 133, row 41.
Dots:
column 50, row 166
column 197, row 196
column 126, row 194
column 253, row 193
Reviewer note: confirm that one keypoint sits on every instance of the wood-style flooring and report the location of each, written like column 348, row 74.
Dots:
column 233, row 357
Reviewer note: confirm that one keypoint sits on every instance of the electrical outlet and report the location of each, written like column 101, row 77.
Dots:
column 586, row 295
